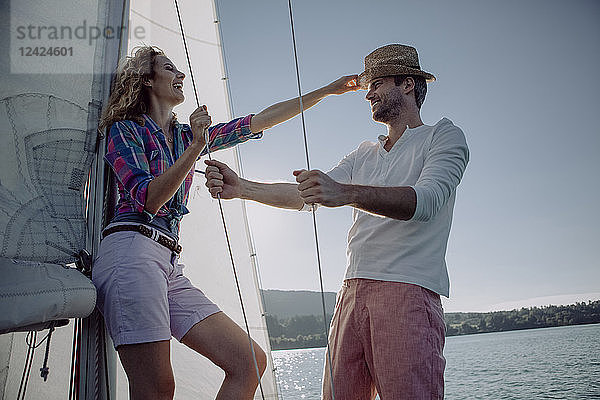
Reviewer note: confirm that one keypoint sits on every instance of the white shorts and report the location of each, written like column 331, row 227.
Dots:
column 142, row 292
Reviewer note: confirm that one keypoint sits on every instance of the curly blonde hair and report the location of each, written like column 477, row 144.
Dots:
column 128, row 98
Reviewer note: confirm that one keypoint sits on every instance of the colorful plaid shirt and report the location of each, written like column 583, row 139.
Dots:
column 139, row 153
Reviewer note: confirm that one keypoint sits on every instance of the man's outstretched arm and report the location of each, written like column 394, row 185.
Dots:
column 222, row 180
column 314, row 187
column 394, row 202
column 442, row 171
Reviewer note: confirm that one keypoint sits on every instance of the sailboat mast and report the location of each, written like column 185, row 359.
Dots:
column 97, row 357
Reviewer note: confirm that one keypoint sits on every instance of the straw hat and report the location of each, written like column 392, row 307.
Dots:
column 393, row 59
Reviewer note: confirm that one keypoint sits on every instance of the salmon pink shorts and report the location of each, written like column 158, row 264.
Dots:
column 142, row 292
column 386, row 338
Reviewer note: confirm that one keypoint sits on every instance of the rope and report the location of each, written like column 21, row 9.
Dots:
column 314, row 215
column 237, row 283
column 44, row 371
column 30, row 340
column 96, row 355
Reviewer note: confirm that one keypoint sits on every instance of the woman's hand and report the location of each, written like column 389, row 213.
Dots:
column 164, row 186
column 344, row 84
column 199, row 122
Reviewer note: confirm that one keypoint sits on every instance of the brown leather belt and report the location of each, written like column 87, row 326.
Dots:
column 148, row 232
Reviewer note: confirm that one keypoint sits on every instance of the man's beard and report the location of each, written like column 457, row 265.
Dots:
column 389, row 108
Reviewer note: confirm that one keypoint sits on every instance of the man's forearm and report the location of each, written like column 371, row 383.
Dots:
column 281, row 195
column 393, row 202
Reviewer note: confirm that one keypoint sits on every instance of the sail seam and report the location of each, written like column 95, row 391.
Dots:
column 42, row 95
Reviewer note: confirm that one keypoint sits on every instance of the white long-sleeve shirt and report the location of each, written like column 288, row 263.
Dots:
column 430, row 159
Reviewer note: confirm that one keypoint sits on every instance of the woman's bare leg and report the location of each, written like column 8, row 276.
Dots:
column 148, row 369
column 224, row 343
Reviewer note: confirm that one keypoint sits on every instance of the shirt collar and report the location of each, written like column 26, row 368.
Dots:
column 153, row 126
column 409, row 131
column 150, row 124
column 177, row 125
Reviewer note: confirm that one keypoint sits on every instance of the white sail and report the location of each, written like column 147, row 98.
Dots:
column 205, row 251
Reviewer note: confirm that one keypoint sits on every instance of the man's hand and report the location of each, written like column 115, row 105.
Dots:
column 316, row 187
column 200, row 120
column 344, row 84
column 220, row 179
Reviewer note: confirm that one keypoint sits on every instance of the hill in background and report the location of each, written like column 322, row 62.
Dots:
column 295, row 318
column 285, row 304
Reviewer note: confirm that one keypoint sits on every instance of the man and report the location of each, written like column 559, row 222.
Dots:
column 387, row 332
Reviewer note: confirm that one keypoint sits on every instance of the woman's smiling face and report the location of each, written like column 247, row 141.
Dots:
column 167, row 83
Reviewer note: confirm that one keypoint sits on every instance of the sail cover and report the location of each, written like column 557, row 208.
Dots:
column 205, row 251
column 57, row 56
column 49, row 113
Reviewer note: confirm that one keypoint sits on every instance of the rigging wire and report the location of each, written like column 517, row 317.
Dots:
column 187, row 55
column 314, row 215
column 166, row 28
column 74, row 350
column 237, row 283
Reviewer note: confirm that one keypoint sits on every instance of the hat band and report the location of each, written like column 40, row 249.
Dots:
column 393, row 65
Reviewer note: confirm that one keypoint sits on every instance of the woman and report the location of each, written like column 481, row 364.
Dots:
column 142, row 293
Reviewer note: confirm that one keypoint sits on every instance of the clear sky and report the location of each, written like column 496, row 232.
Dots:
column 519, row 77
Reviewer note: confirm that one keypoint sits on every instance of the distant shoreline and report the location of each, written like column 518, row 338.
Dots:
column 467, row 334
column 301, row 332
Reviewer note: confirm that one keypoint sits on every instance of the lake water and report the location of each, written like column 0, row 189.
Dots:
column 548, row 363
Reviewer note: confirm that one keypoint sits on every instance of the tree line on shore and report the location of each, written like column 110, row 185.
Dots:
column 305, row 331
